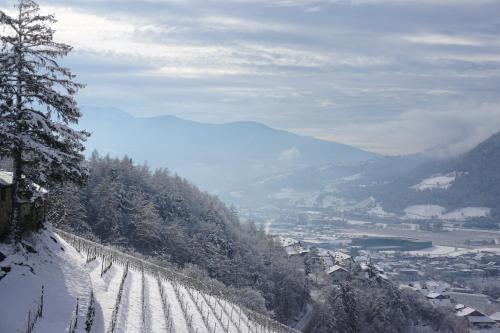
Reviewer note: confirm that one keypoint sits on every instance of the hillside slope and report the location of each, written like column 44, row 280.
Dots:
column 214, row 156
column 165, row 217
column 57, row 267
column 129, row 295
column 312, row 186
column 470, row 180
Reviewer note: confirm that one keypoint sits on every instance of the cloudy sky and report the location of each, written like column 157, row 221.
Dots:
column 391, row 76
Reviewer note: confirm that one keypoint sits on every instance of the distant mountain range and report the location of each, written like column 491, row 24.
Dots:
column 251, row 164
column 309, row 186
column 216, row 157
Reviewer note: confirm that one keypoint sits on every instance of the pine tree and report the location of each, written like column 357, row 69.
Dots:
column 345, row 309
column 65, row 209
column 38, row 107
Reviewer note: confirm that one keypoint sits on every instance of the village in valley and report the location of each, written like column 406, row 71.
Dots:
column 463, row 277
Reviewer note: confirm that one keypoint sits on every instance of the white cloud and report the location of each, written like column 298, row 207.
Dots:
column 289, row 155
column 201, row 72
column 437, row 39
column 335, row 68
column 228, row 23
column 443, row 132
column 317, row 3
column 326, row 103
column 124, row 37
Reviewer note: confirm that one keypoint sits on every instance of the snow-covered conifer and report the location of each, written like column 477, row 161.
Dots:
column 37, row 106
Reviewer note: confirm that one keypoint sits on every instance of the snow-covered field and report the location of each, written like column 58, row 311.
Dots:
column 434, row 182
column 132, row 296
column 449, row 251
column 418, row 212
column 424, row 212
column 463, row 214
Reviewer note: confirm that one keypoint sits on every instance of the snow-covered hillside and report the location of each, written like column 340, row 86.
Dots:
column 423, row 212
column 114, row 292
column 437, row 182
column 44, row 260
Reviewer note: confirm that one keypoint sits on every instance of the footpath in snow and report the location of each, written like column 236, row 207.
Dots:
column 44, row 260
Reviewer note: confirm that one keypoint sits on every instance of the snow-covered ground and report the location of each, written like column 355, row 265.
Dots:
column 437, row 251
column 56, row 266
column 130, row 314
column 149, row 300
column 449, row 251
column 379, row 211
column 418, row 212
column 438, row 181
column 463, row 214
column 424, row 212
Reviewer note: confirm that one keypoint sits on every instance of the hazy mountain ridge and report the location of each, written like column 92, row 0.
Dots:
column 312, row 184
column 393, row 182
column 258, row 165
column 214, row 156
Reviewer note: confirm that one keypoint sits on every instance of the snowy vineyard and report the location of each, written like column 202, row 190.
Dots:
column 137, row 296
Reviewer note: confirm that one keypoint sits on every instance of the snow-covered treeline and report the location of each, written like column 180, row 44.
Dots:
column 164, row 217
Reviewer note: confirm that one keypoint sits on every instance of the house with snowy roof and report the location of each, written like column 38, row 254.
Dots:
column 476, row 319
column 32, row 214
column 292, row 247
column 481, row 322
column 338, row 273
column 439, row 299
column 496, row 317
column 408, row 274
column 333, row 258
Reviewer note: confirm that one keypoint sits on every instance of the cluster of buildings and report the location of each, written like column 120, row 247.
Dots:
column 478, row 320
column 337, row 265
column 440, row 294
column 410, row 270
column 482, row 313
column 448, row 268
column 292, row 247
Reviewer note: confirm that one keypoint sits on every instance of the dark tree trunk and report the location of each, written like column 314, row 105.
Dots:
column 18, row 154
column 16, row 204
